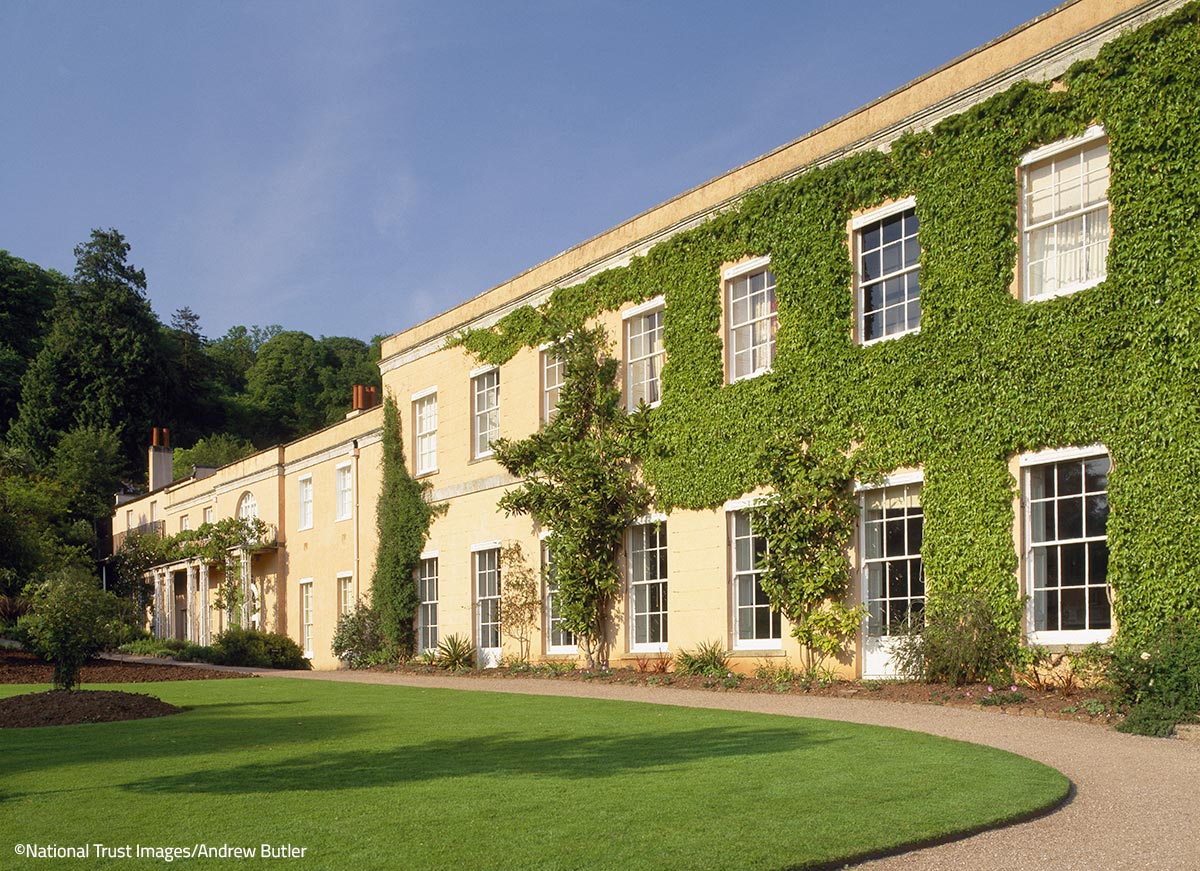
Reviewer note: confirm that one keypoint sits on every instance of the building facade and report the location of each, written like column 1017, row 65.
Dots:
column 983, row 283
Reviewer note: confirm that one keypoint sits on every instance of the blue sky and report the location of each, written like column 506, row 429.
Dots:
column 354, row 167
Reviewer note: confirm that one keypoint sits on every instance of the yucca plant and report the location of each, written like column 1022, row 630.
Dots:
column 455, row 653
column 710, row 659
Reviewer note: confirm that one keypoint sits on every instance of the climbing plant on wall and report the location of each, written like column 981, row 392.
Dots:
column 580, row 483
column 988, row 376
column 402, row 520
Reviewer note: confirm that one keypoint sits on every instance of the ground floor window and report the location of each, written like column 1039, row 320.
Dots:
column 1066, row 552
column 558, row 639
column 345, row 594
column 894, row 580
column 648, row 585
column 306, row 618
column 487, row 598
column 756, row 625
column 427, row 611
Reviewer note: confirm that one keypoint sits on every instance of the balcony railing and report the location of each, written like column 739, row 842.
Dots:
column 154, row 527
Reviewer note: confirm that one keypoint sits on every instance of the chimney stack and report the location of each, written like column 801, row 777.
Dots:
column 160, row 460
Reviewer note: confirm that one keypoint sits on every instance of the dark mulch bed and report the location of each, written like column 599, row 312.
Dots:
column 1079, row 704
column 62, row 708
column 18, row 666
column 58, row 708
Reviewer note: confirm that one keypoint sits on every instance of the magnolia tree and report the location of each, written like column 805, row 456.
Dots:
column 580, row 482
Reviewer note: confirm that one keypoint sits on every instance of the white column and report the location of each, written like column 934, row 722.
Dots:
column 190, row 629
column 245, row 588
column 159, row 625
column 205, row 611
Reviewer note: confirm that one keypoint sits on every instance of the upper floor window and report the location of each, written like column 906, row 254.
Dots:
column 1066, row 544
column 305, row 487
column 185, row 523
column 1064, row 215
column 485, row 411
column 888, row 271
column 129, row 518
column 247, row 507
column 645, row 353
column 752, row 318
column 553, row 373
column 345, row 492
column 208, row 515
column 425, row 425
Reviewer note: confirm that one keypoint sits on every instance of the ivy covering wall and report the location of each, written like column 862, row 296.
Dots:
column 988, row 376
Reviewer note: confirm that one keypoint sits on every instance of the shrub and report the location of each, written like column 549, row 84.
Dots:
column 152, row 647
column 959, row 643
column 455, row 653
column 250, row 647
column 71, row 620
column 358, row 638
column 1157, row 682
column 710, row 659
column 200, row 653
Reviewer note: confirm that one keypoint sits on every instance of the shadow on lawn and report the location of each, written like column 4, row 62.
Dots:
column 570, row 757
column 199, row 731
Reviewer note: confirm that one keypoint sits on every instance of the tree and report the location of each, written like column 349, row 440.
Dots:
column 101, row 364
column 87, row 462
column 218, row 449
column 282, row 387
column 402, row 520
column 581, row 483
column 37, row 536
column 347, row 362
column 808, row 522
column 71, row 620
column 27, row 296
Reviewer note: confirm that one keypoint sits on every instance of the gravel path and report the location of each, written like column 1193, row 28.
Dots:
column 1136, row 801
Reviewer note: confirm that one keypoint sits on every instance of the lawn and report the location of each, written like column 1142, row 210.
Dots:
column 386, row 777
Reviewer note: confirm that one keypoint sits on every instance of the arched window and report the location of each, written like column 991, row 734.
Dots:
column 247, row 507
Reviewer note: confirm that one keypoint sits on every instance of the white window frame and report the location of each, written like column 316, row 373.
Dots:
column 185, row 523
column 247, row 507
column 306, row 616
column 857, row 225
column 1031, row 161
column 489, row 417
column 735, row 575
column 1025, row 463
column 896, row 480
column 208, row 515
column 660, row 646
column 550, row 589
column 343, row 477
column 427, row 608
column 553, row 375
column 478, row 551
column 345, row 590
column 304, row 520
column 728, row 278
column 634, row 323
column 129, row 518
column 425, row 427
